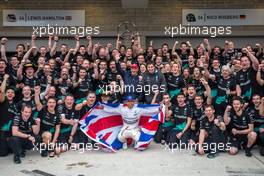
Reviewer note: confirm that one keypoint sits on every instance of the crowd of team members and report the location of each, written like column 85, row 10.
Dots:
column 211, row 95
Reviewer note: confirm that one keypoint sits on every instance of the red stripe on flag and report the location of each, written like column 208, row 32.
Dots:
column 144, row 145
column 161, row 116
column 105, row 123
column 143, row 120
column 83, row 117
column 91, row 134
column 106, row 136
column 151, row 126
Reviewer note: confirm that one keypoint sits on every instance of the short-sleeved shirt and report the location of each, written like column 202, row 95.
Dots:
column 258, row 119
column 240, row 122
column 67, row 114
column 180, row 115
column 24, row 126
column 48, row 120
column 208, row 125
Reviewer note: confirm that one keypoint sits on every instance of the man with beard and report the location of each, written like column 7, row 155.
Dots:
column 254, row 111
column 164, row 129
column 241, row 127
column 229, row 53
column 69, row 118
column 63, row 84
column 83, row 85
column 8, row 111
column 226, row 87
column 24, row 133
column 182, row 114
column 27, row 99
column 153, row 79
column 211, row 132
column 29, row 77
column 246, row 77
column 82, row 108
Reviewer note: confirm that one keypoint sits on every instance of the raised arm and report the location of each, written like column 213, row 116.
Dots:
column 3, row 49
column 207, row 91
column 259, row 48
column 3, row 88
column 37, row 99
column 50, row 42
column 156, row 93
column 254, row 60
column 90, row 45
column 77, row 45
column 227, row 118
column 208, row 47
column 190, row 47
column 108, row 46
column 67, row 57
column 258, row 76
column 33, row 44
column 95, row 48
column 261, row 108
column 53, row 48
column 118, row 42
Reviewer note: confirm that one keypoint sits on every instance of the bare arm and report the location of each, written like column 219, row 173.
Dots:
column 253, row 59
column 3, row 49
column 50, row 42
column 201, row 137
column 153, row 101
column 33, row 44
column 3, row 88
column 95, row 48
column 36, row 97
column 261, row 107
column 259, row 49
column 207, row 91
column 246, row 131
column 258, row 76
column 90, row 45
column 80, row 105
column 191, row 48
column 227, row 118
column 188, row 124
column 67, row 57
column 238, row 90
column 208, row 47
column 53, row 48
column 16, row 132
column 56, row 134
column 108, row 46
column 77, row 45
column 118, row 42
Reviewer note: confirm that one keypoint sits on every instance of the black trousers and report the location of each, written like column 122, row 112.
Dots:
column 4, row 148
column 18, row 144
column 260, row 139
column 172, row 139
column 162, row 133
column 80, row 137
column 220, row 108
column 214, row 139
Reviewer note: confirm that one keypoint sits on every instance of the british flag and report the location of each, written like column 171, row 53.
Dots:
column 103, row 127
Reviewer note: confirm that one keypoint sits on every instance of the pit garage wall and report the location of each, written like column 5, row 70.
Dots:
column 108, row 14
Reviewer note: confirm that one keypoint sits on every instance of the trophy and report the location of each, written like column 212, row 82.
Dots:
column 127, row 31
